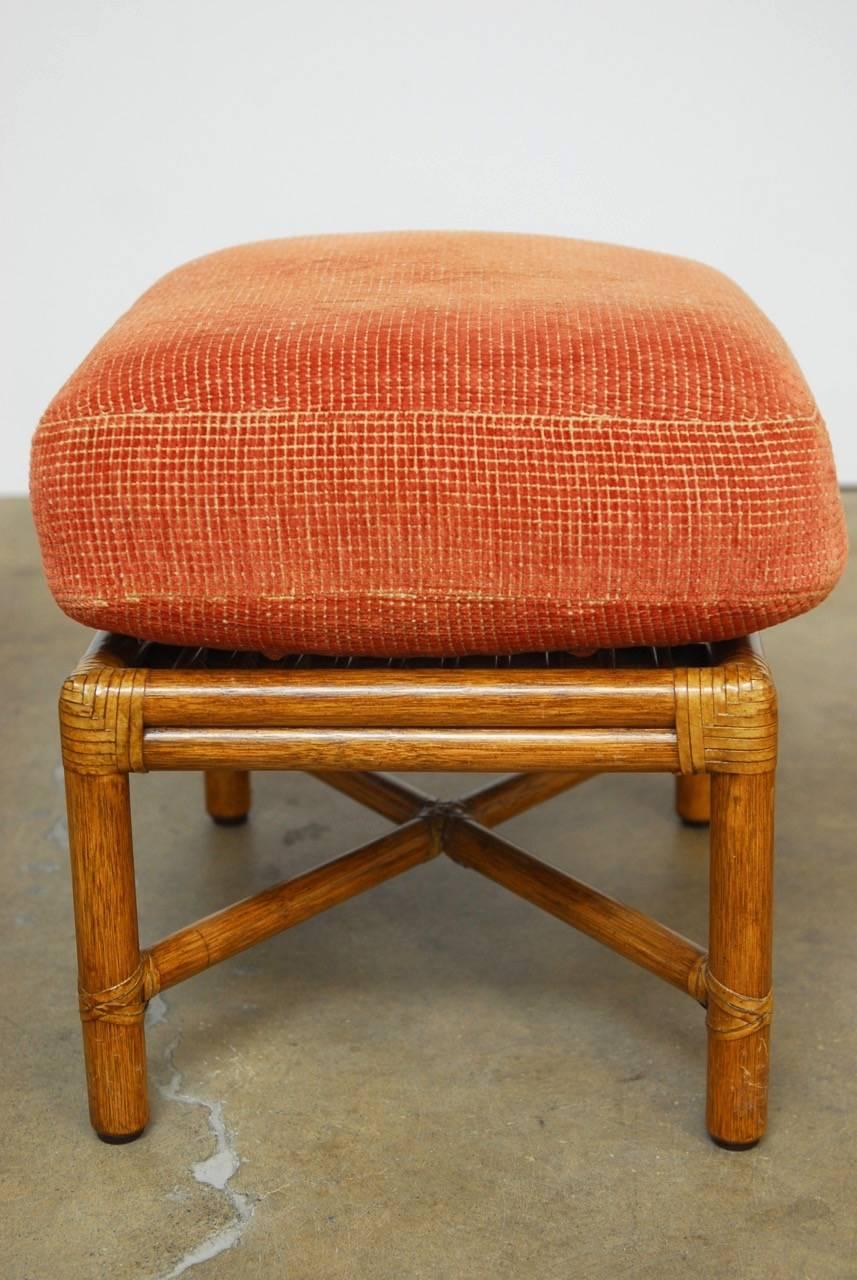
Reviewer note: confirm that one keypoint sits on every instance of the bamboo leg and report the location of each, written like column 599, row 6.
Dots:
column 693, row 798
column 227, row 796
column 739, row 964
column 108, row 950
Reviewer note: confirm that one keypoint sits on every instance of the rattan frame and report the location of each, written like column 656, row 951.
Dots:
column 130, row 708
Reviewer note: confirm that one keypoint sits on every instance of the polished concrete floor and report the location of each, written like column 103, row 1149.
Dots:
column 434, row 1081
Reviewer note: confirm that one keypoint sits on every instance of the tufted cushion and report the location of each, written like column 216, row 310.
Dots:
column 423, row 443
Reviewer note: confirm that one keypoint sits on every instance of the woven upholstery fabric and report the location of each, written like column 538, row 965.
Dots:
column 437, row 443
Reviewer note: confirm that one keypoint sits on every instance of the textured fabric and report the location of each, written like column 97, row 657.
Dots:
column 423, row 443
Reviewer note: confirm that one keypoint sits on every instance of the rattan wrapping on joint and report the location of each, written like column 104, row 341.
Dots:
column 125, row 1002
column 731, row 1016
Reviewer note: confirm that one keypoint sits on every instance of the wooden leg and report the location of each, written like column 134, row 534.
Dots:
column 739, row 962
column 693, row 798
column 108, row 951
column 227, row 795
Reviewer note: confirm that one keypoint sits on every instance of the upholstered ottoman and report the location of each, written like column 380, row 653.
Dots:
column 432, row 501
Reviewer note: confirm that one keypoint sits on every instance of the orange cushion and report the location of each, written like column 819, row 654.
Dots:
column 423, row 443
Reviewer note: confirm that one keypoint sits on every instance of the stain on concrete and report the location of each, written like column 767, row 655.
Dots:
column 306, row 831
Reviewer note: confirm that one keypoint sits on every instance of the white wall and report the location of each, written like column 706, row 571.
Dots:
column 139, row 133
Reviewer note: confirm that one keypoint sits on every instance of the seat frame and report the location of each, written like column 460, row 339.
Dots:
column 131, row 707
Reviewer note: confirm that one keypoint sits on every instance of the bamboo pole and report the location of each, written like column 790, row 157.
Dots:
column 108, row 949
column 410, row 697
column 619, row 750
column 740, row 907
column 637, row 937
column 242, row 925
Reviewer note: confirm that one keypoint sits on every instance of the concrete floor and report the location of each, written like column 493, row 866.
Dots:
column 435, row 1080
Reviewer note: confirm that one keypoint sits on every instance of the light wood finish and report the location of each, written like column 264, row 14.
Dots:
column 234, row 929
column 635, row 936
column 693, row 798
column 108, row 949
column 227, row 795
column 619, row 750
column 740, row 934
column 706, row 713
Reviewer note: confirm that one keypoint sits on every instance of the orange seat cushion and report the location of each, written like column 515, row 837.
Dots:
column 437, row 443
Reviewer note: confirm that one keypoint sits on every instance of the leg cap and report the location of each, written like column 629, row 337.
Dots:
column 237, row 821
column 734, row 1146
column 118, row 1139
column 695, row 822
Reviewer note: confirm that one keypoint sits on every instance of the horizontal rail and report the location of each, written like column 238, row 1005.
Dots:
column 636, row 936
column 643, row 750
column 412, row 698
column 235, row 928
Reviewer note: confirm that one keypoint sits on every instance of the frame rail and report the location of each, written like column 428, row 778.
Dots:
column 126, row 709
column 619, row 750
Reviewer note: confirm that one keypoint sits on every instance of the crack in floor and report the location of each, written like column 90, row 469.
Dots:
column 216, row 1170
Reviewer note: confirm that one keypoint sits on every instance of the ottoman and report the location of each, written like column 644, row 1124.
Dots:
column 421, row 501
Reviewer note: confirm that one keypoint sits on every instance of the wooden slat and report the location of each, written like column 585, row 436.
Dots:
column 486, row 750
column 636, row 936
